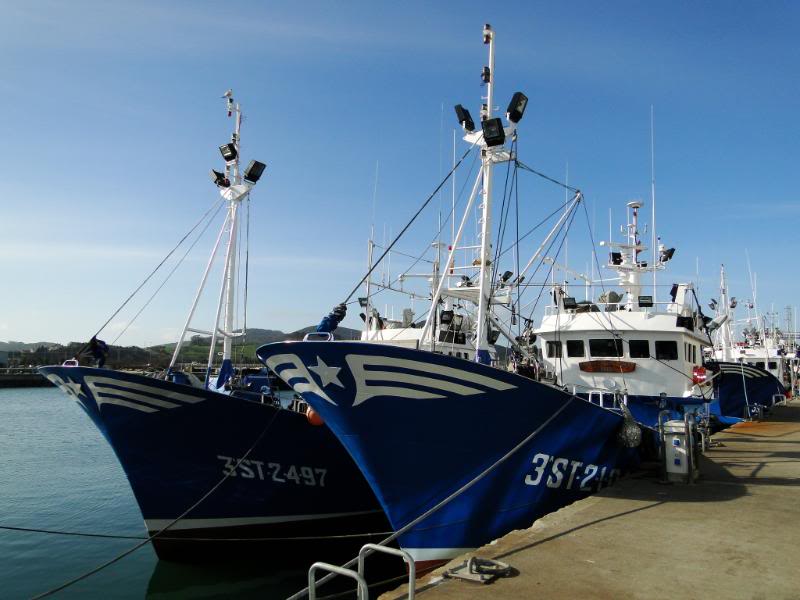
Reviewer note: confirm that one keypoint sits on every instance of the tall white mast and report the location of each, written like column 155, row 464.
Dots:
column 234, row 187
column 481, row 340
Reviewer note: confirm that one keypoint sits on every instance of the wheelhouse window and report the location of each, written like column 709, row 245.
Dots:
column 759, row 364
column 772, row 365
column 554, row 350
column 639, row 348
column 575, row 348
column 602, row 348
column 666, row 350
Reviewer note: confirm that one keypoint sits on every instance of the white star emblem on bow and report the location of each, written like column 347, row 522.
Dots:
column 327, row 375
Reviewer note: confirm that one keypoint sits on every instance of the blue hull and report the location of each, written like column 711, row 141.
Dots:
column 421, row 425
column 741, row 388
column 293, row 498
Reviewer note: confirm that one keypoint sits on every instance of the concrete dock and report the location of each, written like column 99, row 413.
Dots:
column 734, row 534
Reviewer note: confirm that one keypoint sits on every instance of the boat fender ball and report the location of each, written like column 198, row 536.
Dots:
column 313, row 417
column 630, row 434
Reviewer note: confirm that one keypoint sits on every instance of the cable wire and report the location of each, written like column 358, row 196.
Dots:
column 133, row 549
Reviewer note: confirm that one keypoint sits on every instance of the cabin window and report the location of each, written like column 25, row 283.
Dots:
column 639, row 348
column 694, row 354
column 666, row 350
column 554, row 350
column 759, row 364
column 575, row 348
column 773, row 365
column 603, row 348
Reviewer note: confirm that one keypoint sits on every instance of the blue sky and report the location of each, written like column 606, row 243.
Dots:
column 110, row 116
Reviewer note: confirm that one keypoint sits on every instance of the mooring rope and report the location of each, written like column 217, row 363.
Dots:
column 192, row 539
column 147, row 540
column 304, row 592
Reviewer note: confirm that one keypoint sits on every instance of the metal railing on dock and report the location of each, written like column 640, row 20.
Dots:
column 362, row 592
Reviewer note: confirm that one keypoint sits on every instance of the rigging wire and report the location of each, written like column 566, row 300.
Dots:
column 450, row 215
column 169, row 275
column 410, row 222
column 547, row 177
column 152, row 273
column 504, row 207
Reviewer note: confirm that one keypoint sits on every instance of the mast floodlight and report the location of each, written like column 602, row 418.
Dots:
column 219, row 179
column 506, row 276
column 569, row 303
column 666, row 255
column 465, row 118
column 487, row 33
column 516, row 108
column 228, row 152
column 616, row 258
column 486, row 75
column 254, row 171
column 493, row 132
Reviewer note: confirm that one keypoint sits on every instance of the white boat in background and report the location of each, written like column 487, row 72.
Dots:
column 762, row 345
column 629, row 345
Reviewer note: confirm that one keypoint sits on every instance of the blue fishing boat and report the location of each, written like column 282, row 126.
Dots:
column 226, row 464
column 458, row 448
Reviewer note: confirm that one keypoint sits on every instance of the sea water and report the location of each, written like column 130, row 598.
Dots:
column 57, row 472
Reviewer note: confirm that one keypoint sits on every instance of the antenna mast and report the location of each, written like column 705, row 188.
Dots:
column 653, row 202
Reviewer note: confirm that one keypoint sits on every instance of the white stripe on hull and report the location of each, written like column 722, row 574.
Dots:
column 157, row 524
column 425, row 554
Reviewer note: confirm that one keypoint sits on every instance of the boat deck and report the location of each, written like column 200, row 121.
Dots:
column 734, row 534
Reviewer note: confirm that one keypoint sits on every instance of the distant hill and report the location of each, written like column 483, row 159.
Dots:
column 11, row 346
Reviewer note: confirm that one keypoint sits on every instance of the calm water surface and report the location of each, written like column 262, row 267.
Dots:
column 57, row 472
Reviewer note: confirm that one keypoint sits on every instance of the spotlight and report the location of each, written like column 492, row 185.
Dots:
column 254, row 171
column 493, row 132
column 716, row 323
column 506, row 276
column 616, row 258
column 666, row 255
column 646, row 301
column 465, row 118
column 219, row 179
column 516, row 108
column 228, row 152
column 734, row 302
column 487, row 33
column 362, row 302
column 486, row 75
column 673, row 291
column 569, row 303
column 713, row 304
